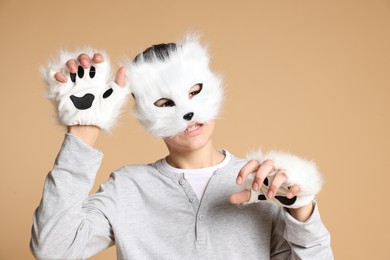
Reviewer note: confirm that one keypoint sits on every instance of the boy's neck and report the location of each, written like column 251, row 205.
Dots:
column 205, row 157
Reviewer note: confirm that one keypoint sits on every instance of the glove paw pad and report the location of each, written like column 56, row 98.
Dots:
column 88, row 97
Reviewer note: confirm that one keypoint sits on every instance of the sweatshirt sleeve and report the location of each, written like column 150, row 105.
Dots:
column 310, row 239
column 305, row 240
column 66, row 225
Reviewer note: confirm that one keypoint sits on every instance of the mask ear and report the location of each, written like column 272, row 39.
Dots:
column 133, row 96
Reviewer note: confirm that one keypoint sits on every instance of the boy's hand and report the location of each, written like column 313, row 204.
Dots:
column 265, row 175
column 80, row 86
column 280, row 178
column 262, row 171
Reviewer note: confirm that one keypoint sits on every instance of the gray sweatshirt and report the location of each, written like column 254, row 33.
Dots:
column 151, row 213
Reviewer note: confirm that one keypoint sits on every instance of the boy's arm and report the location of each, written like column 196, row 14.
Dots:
column 293, row 239
column 64, row 226
column 290, row 182
column 67, row 225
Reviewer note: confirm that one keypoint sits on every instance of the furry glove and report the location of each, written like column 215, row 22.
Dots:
column 298, row 171
column 89, row 97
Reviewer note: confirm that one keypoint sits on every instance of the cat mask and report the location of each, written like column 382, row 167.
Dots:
column 173, row 87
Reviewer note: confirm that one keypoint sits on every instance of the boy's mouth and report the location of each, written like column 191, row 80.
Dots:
column 192, row 128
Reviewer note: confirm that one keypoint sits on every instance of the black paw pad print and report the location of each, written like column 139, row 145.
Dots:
column 86, row 101
column 282, row 199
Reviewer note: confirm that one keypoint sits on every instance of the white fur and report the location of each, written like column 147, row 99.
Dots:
column 103, row 112
column 172, row 79
column 298, row 171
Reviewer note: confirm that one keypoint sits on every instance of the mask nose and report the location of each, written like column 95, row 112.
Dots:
column 188, row 116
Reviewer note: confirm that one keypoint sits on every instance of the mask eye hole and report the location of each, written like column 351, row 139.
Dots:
column 195, row 90
column 164, row 102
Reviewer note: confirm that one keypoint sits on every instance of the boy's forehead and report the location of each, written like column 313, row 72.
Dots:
column 171, row 77
column 172, row 88
column 174, row 73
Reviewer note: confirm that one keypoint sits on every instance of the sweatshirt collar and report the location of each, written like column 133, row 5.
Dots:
column 178, row 175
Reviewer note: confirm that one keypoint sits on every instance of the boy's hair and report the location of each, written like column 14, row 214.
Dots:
column 160, row 51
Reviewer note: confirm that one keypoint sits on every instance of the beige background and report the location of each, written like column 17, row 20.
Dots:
column 310, row 77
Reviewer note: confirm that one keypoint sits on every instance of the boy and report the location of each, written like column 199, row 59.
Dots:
column 182, row 206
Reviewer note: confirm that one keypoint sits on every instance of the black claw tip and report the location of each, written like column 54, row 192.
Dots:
column 92, row 72
column 73, row 77
column 80, row 72
column 265, row 182
column 108, row 93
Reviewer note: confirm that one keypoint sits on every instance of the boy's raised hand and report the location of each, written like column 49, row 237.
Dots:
column 80, row 85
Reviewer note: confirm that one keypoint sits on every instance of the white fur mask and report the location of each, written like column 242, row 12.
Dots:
column 170, row 75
